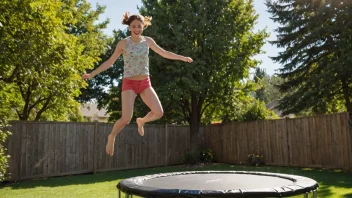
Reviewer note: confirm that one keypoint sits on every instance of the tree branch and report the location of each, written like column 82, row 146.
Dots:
column 44, row 108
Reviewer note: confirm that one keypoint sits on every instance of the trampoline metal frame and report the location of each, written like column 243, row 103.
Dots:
column 127, row 195
column 313, row 190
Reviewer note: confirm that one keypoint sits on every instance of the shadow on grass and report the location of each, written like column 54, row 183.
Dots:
column 326, row 178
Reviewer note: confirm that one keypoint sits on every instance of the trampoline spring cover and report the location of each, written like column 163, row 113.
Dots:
column 217, row 184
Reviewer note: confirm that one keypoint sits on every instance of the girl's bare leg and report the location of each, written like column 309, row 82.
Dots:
column 128, row 97
column 150, row 98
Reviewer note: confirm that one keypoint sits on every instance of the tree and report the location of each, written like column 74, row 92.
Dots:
column 219, row 36
column 259, row 77
column 3, row 156
column 317, row 60
column 271, row 91
column 5, row 101
column 45, row 47
column 258, row 111
column 267, row 86
column 105, row 88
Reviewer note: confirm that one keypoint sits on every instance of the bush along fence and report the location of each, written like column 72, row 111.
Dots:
column 45, row 149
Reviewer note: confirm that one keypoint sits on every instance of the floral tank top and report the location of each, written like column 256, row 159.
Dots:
column 136, row 59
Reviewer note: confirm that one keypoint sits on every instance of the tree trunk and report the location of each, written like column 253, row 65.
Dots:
column 346, row 94
column 194, row 124
column 194, row 127
column 44, row 108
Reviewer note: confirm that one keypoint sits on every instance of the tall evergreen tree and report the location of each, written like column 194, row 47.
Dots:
column 219, row 36
column 317, row 60
column 267, row 86
column 259, row 76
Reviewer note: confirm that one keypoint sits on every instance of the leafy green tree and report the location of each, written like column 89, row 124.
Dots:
column 6, row 99
column 258, row 111
column 317, row 61
column 45, row 46
column 219, row 36
column 234, row 108
column 3, row 156
column 259, row 77
column 105, row 88
column 271, row 91
column 267, row 86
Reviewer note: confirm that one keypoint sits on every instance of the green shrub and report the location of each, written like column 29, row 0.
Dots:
column 255, row 160
column 207, row 156
column 258, row 111
column 195, row 157
column 3, row 156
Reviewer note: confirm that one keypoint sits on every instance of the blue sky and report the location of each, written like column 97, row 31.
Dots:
column 115, row 9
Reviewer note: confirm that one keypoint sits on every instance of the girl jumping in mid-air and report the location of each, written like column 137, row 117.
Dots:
column 135, row 51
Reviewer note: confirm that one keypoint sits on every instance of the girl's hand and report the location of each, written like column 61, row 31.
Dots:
column 187, row 59
column 86, row 76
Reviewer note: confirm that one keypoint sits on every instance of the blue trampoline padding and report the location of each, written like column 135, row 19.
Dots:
column 218, row 184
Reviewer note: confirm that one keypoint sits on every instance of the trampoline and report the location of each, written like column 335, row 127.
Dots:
column 218, row 184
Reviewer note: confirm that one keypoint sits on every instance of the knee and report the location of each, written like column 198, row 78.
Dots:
column 125, row 120
column 159, row 114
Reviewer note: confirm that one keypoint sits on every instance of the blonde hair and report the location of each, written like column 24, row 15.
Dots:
column 127, row 19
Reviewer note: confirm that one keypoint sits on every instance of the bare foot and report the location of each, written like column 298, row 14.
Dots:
column 110, row 145
column 140, row 126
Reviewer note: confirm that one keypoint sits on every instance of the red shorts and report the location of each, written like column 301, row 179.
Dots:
column 135, row 85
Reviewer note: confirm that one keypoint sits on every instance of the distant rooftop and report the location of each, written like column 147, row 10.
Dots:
column 273, row 105
column 91, row 110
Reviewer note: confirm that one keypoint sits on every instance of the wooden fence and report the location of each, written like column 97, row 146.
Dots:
column 319, row 141
column 45, row 149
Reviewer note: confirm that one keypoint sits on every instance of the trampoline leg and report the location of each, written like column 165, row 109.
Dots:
column 128, row 195
column 315, row 194
column 119, row 194
column 305, row 195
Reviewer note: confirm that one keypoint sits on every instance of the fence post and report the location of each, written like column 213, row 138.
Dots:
column 287, row 143
column 166, row 145
column 349, row 133
column 20, row 151
column 95, row 161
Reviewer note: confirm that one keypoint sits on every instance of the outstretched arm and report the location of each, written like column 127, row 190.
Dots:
column 108, row 63
column 166, row 54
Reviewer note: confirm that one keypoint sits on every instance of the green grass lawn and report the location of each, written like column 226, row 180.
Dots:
column 332, row 183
